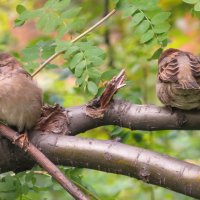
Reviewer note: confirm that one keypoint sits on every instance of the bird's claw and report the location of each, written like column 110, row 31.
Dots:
column 23, row 140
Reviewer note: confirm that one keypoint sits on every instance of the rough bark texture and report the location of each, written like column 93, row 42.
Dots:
column 43, row 161
column 135, row 117
column 114, row 157
column 142, row 164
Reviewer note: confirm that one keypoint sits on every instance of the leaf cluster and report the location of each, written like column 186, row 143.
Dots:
column 149, row 22
column 196, row 4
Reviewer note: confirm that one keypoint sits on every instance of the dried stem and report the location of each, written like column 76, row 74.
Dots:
column 74, row 40
column 97, row 107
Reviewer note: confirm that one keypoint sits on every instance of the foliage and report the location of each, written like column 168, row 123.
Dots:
column 196, row 4
column 138, row 34
column 150, row 22
column 83, row 58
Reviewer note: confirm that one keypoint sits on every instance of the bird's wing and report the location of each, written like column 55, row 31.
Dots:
column 195, row 65
column 168, row 69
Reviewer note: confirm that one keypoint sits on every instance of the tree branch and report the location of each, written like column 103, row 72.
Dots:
column 133, row 116
column 43, row 161
column 114, row 157
column 142, row 164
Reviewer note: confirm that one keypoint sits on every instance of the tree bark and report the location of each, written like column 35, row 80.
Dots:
column 110, row 156
column 113, row 157
column 134, row 117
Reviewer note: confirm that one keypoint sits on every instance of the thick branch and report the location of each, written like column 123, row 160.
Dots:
column 135, row 117
column 103, row 155
column 115, row 157
column 43, row 161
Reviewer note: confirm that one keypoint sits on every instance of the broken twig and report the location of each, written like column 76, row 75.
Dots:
column 96, row 107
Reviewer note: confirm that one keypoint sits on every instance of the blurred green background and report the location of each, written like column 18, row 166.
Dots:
column 123, row 51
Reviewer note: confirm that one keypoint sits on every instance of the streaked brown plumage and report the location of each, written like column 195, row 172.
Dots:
column 20, row 97
column 178, row 82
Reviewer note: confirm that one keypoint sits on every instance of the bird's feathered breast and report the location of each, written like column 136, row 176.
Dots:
column 20, row 97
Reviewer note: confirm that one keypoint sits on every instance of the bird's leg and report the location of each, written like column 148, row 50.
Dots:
column 23, row 139
column 171, row 109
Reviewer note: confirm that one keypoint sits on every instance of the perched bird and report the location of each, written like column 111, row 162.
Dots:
column 178, row 82
column 20, row 97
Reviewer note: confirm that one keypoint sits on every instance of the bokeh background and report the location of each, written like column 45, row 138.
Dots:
column 123, row 50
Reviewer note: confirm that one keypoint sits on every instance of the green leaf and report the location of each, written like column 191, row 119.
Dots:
column 147, row 36
column 62, row 45
column 78, row 24
column 49, row 4
column 25, row 189
column 19, row 22
column 52, row 23
column 162, row 37
column 197, row 7
column 156, row 54
column 71, row 13
column 31, row 53
column 162, row 28
column 85, row 45
column 107, row 75
column 63, row 29
column 48, row 49
column 96, row 60
column 92, row 88
column 42, row 21
column 142, row 27
column 94, row 51
column 71, row 50
column 120, row 5
column 160, row 17
column 191, row 1
column 20, row 9
column 116, row 1
column 61, row 5
column 145, row 4
column 75, row 60
column 93, row 73
column 79, row 68
column 79, row 81
column 129, row 11
column 30, row 14
column 51, row 66
column 137, row 18
column 165, row 42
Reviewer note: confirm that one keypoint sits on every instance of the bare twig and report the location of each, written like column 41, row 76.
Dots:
column 111, row 88
column 74, row 40
column 43, row 161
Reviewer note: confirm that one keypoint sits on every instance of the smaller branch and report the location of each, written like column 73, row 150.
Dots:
column 74, row 40
column 112, row 87
column 96, row 107
column 43, row 161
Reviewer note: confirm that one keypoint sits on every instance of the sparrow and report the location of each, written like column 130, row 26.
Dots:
column 20, row 97
column 178, row 80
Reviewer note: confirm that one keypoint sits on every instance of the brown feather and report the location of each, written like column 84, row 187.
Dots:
column 20, row 97
column 178, row 79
